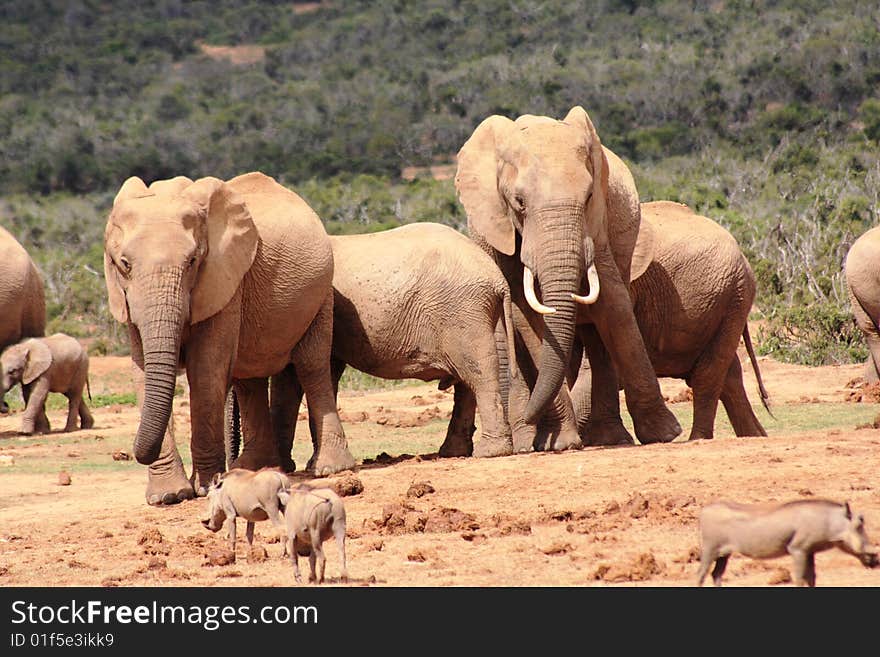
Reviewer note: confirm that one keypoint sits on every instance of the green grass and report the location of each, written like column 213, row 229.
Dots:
column 49, row 454
column 790, row 418
column 58, row 402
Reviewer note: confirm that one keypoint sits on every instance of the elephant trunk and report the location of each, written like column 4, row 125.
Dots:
column 160, row 331
column 560, row 272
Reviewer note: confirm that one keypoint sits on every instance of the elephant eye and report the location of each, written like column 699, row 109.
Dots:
column 124, row 265
column 192, row 261
column 519, row 202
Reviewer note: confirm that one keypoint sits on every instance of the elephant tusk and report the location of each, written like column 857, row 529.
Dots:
column 593, row 280
column 531, row 297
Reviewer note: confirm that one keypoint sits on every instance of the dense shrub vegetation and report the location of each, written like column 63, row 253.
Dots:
column 764, row 115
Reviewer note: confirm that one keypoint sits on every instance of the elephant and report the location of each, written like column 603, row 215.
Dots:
column 863, row 284
column 560, row 213
column 22, row 298
column 423, row 301
column 57, row 363
column 692, row 306
column 230, row 281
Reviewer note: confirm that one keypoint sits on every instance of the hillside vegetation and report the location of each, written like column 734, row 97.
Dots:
column 763, row 115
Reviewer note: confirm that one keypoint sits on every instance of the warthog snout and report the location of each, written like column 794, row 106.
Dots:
column 870, row 559
column 210, row 524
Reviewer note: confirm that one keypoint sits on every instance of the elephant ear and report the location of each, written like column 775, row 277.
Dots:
column 476, row 180
column 643, row 253
column 39, row 358
column 134, row 187
column 596, row 206
column 232, row 246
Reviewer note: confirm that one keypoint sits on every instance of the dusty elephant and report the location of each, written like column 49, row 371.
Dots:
column 57, row 363
column 423, row 301
column 230, row 281
column 560, row 215
column 22, row 298
column 692, row 306
column 863, row 283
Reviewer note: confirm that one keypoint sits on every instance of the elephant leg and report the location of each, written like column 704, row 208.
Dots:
column 460, row 432
column 311, row 357
column 597, row 396
column 872, row 365
column 167, row 482
column 73, row 401
column 209, row 372
column 616, row 324
column 259, row 448
column 86, row 421
column 556, row 429
column 34, row 419
column 709, row 376
column 285, row 398
column 480, row 373
column 41, row 421
column 736, row 403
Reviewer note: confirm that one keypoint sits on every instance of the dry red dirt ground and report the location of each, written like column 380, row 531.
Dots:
column 599, row 516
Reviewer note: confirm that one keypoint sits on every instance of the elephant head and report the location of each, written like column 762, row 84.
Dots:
column 23, row 363
column 174, row 255
column 536, row 189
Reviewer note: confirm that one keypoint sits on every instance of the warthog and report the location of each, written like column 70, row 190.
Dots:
column 766, row 531
column 254, row 496
column 313, row 515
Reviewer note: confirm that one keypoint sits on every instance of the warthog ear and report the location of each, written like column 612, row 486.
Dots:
column 847, row 511
column 217, row 480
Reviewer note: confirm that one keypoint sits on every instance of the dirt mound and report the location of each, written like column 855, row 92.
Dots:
column 405, row 419
column 684, row 395
column 153, row 542
column 353, row 417
column 420, row 489
column 864, row 393
column 642, row 567
column 347, row 484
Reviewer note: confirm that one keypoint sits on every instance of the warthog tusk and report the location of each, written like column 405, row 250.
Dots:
column 531, row 297
column 593, row 280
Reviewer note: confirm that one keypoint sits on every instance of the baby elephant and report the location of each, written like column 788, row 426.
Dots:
column 57, row 363
column 254, row 496
column 313, row 515
column 765, row 531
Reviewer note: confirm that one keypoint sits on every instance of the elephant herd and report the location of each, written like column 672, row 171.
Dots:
column 566, row 290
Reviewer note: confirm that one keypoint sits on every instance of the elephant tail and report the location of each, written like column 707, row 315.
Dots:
column 765, row 398
column 507, row 305
column 88, row 388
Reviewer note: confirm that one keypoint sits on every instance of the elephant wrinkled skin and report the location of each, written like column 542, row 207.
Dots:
column 692, row 305
column 22, row 298
column 230, row 281
column 863, row 284
column 423, row 301
column 559, row 212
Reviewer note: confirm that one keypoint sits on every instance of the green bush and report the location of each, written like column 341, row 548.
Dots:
column 819, row 334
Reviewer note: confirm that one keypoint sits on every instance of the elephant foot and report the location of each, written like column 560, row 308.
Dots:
column 457, row 445
column 488, row 447
column 611, row 432
column 700, row 435
column 658, row 426
column 168, row 488
column 557, row 440
column 330, row 459
column 88, row 423
column 524, row 438
column 250, row 459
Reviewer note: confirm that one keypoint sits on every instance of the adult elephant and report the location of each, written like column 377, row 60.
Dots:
column 863, row 283
column 422, row 301
column 560, row 214
column 22, row 302
column 692, row 306
column 230, row 281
